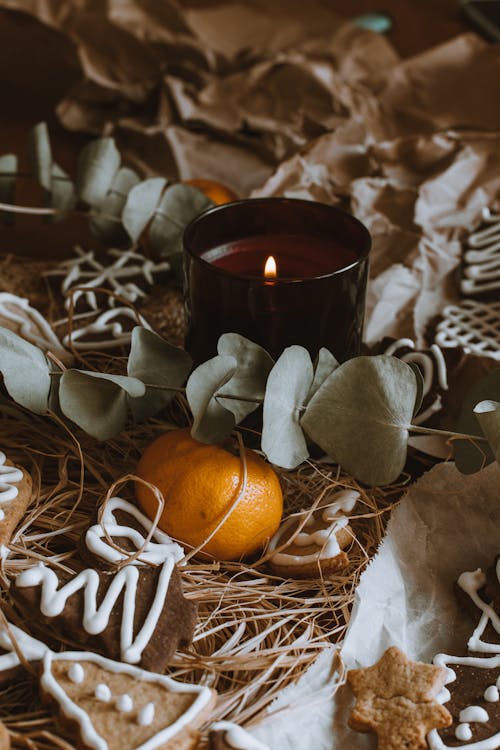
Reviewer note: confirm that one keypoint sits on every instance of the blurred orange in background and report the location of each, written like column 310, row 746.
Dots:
column 216, row 191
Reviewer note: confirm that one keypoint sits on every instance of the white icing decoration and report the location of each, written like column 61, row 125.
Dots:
column 87, row 271
column 474, row 326
column 31, row 325
column 96, row 619
column 156, row 551
column 103, row 693
column 107, row 324
column 90, row 736
column 463, row 732
column 146, row 715
column 444, row 695
column 491, row 694
column 236, row 737
column 474, row 714
column 32, row 649
column 9, row 476
column 325, row 539
column 76, row 674
column 481, row 272
column 471, row 583
column 426, row 364
column 124, row 703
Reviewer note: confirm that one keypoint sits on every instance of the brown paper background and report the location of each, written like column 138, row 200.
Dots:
column 287, row 98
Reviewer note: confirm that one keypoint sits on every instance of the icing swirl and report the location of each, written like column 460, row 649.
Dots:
column 325, row 539
column 9, row 476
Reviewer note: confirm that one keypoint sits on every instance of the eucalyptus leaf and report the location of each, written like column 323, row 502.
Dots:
column 249, row 380
column 8, row 169
column 420, row 386
column 41, row 155
column 472, row 456
column 25, row 370
column 97, row 402
column 98, row 164
column 288, row 385
column 488, row 416
column 324, row 365
column 178, row 205
column 106, row 219
column 212, row 422
column 62, row 194
column 361, row 417
column 141, row 204
column 154, row 361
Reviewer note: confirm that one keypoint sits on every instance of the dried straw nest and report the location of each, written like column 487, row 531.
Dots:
column 256, row 633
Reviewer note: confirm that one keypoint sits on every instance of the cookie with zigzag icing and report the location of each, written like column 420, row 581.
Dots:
column 137, row 614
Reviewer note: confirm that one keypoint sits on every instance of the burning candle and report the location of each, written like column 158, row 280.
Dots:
column 279, row 271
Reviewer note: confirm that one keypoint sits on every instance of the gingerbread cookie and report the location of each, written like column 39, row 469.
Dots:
column 127, row 273
column 123, row 524
column 138, row 615
column 396, row 699
column 15, row 497
column 17, row 315
column 10, row 663
column 472, row 692
column 225, row 735
column 472, row 326
column 318, row 548
column 110, row 330
column 112, row 706
column 481, row 260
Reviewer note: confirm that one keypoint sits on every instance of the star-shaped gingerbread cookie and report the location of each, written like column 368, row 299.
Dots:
column 396, row 699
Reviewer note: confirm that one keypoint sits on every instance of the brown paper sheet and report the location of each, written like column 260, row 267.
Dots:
column 286, row 98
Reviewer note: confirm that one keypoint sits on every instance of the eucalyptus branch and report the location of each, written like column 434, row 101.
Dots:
column 31, row 176
column 12, row 208
column 445, row 433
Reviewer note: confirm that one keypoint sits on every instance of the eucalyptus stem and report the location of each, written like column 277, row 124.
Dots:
column 50, row 211
column 30, row 176
column 445, row 433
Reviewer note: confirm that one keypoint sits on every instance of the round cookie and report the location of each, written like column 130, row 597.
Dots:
column 318, row 548
column 15, row 497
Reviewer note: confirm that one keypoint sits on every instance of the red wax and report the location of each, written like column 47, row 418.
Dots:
column 297, row 256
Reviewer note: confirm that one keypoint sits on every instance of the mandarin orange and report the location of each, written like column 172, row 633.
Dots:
column 199, row 484
column 216, row 191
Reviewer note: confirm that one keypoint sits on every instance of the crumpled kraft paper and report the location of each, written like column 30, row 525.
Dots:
column 287, row 98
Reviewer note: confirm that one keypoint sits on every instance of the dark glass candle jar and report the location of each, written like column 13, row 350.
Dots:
column 315, row 297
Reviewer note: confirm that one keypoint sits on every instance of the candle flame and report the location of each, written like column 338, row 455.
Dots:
column 270, row 269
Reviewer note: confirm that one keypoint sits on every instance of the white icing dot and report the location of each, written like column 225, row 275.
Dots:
column 124, row 703
column 498, row 683
column 463, row 732
column 491, row 694
column 2, row 515
column 146, row 715
column 103, row 693
column 473, row 713
column 76, row 673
